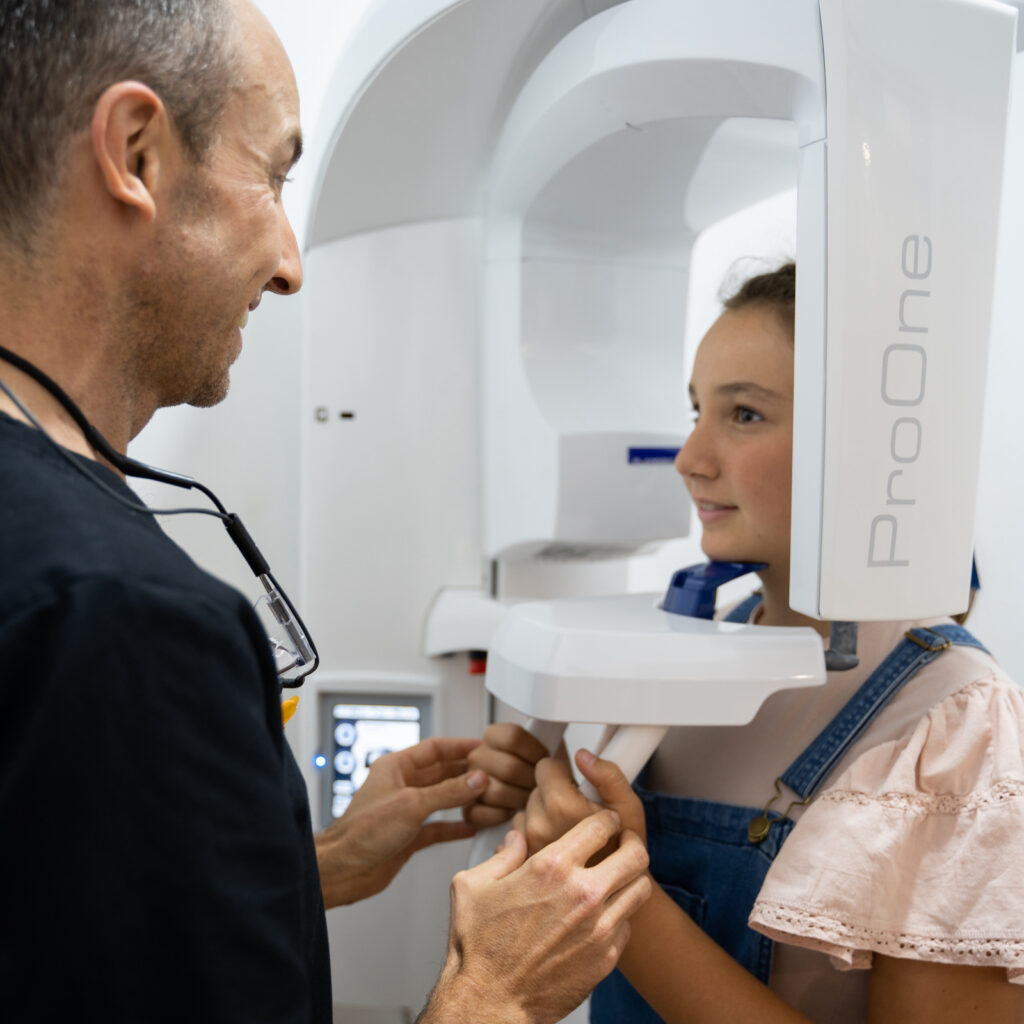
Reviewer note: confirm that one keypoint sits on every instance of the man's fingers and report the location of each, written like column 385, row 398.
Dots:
column 619, row 869
column 432, row 774
column 442, row 832
column 451, row 793
column 594, row 832
column 483, row 816
column 615, row 946
column 437, row 750
column 629, row 899
column 509, row 857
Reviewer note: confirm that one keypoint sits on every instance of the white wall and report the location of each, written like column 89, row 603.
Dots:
column 245, row 449
column 1000, row 538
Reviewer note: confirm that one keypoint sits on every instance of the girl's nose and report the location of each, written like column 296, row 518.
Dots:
column 695, row 458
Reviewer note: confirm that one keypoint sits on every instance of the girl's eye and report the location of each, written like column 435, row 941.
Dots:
column 745, row 415
column 694, row 414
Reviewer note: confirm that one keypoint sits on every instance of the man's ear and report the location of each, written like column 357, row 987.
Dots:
column 132, row 141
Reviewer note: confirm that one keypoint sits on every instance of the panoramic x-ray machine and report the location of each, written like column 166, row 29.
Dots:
column 893, row 117
column 497, row 268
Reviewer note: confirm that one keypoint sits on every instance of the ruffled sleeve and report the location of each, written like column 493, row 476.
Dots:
column 917, row 850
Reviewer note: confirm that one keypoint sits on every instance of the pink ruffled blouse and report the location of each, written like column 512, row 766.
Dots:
column 916, row 850
column 915, row 846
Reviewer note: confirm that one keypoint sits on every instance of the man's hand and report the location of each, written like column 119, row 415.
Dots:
column 508, row 754
column 530, row 938
column 362, row 852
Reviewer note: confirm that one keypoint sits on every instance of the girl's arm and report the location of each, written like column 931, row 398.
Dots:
column 912, row 990
column 688, row 979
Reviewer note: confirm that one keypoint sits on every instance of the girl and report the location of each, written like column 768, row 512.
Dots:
column 872, row 825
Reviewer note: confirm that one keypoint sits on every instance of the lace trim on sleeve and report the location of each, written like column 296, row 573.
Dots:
column 930, row 803
column 852, row 948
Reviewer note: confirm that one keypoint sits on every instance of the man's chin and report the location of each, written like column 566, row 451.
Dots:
column 211, row 393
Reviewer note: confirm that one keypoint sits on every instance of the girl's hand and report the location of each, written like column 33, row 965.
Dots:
column 557, row 805
column 508, row 754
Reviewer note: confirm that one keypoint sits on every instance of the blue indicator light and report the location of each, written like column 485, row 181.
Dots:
column 319, row 761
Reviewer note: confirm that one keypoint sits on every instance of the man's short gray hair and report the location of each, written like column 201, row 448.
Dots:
column 57, row 57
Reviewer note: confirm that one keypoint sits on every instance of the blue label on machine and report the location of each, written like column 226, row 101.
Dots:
column 653, row 454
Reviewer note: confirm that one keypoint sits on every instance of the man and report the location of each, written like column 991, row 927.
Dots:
column 157, row 854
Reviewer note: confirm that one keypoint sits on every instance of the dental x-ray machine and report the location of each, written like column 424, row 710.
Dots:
column 900, row 111
column 497, row 269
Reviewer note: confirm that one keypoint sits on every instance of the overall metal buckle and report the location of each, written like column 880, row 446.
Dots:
column 943, row 642
column 758, row 829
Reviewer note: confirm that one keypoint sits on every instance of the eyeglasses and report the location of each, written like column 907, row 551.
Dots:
column 290, row 645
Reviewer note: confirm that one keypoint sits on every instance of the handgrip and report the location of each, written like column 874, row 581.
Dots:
column 630, row 747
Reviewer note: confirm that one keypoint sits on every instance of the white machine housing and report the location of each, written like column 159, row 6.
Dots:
column 918, row 99
column 576, row 661
column 624, row 144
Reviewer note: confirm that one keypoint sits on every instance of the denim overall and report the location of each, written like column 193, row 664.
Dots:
column 700, row 851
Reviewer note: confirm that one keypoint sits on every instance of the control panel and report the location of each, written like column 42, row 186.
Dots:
column 355, row 730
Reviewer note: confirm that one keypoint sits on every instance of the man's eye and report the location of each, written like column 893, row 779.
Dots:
column 745, row 415
column 694, row 414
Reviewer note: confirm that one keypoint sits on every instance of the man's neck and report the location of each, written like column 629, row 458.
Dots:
column 45, row 409
column 57, row 314
column 80, row 367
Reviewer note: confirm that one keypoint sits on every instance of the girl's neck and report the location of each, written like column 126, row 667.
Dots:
column 774, row 610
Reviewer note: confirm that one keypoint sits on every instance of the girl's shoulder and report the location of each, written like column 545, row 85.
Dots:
column 950, row 676
column 907, row 851
column 964, row 747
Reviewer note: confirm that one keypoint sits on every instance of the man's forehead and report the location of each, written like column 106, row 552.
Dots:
column 262, row 59
column 265, row 96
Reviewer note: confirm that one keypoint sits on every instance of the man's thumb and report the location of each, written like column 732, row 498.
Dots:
column 507, row 858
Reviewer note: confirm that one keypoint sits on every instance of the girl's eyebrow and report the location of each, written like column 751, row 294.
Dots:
column 747, row 387
column 741, row 387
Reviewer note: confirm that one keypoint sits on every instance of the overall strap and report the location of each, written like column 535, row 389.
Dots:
column 741, row 613
column 917, row 648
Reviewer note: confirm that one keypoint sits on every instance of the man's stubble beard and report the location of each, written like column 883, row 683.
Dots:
column 174, row 353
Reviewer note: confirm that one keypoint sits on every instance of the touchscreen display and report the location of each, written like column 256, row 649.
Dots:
column 360, row 734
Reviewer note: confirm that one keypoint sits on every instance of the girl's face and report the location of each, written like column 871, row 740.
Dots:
column 737, row 463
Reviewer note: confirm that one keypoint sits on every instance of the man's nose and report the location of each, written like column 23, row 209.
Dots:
column 288, row 278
